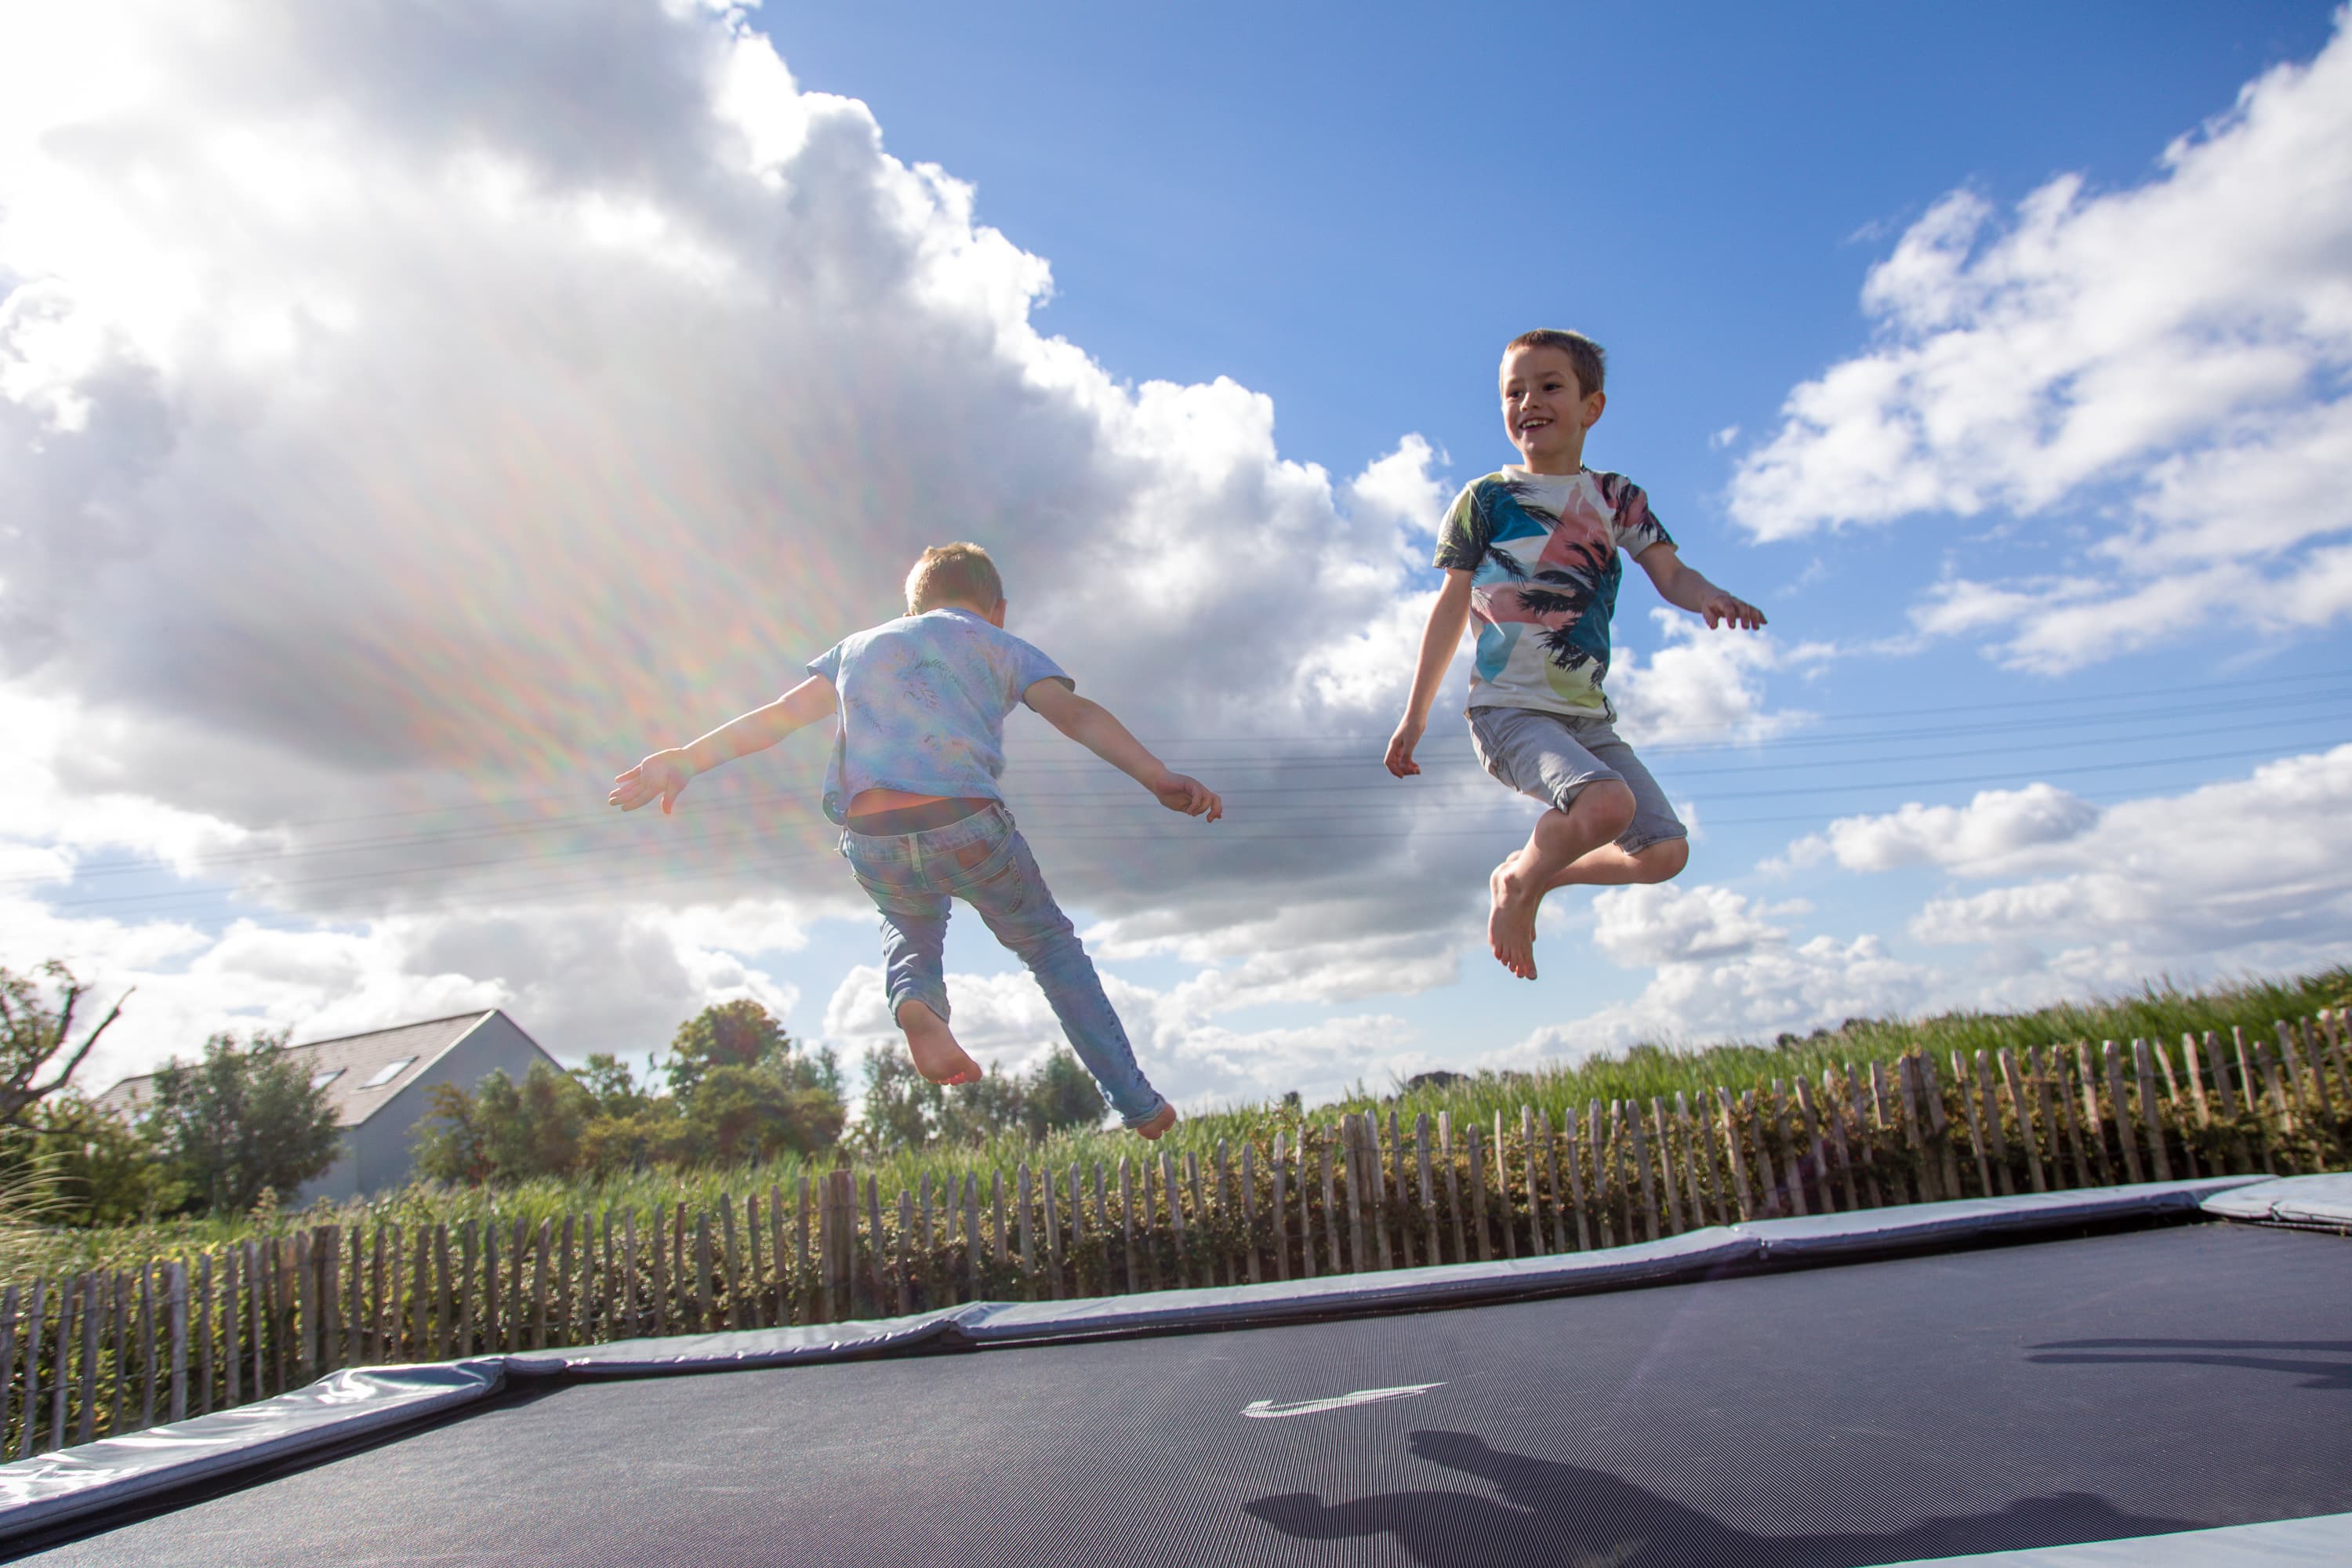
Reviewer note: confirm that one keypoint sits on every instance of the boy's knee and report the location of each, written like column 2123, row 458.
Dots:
column 1607, row 805
column 1664, row 860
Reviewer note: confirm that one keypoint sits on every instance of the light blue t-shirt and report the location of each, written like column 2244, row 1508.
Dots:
column 923, row 700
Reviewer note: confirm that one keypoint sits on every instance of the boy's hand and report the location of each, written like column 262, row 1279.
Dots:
column 1401, row 744
column 1178, row 792
column 663, row 774
column 1721, row 608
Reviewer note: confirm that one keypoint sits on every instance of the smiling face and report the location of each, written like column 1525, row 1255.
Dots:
column 1545, row 412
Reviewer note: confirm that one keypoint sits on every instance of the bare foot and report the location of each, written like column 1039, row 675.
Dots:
column 933, row 1045
column 1511, row 922
column 1160, row 1123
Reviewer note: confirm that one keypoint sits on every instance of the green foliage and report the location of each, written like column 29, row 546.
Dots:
column 244, row 1118
column 615, row 1088
column 1061, row 1094
column 740, row 1091
column 503, row 1132
column 903, row 1109
column 760, row 1111
column 101, row 1171
column 739, row 1033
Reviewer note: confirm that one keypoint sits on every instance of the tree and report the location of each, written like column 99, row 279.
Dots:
column 503, row 1132
column 757, row 1113
column 904, row 1108
column 745, row 1089
column 739, row 1033
column 105, row 1172
column 1060, row 1093
column 32, row 1036
column 657, row 1134
column 245, row 1118
column 608, row 1078
column 976, row 1113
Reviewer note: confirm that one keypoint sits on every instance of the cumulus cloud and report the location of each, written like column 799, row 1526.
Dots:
column 2089, row 901
column 1726, row 965
column 1705, row 685
column 2173, row 353
column 1995, row 831
column 2198, row 879
column 401, row 437
column 1642, row 927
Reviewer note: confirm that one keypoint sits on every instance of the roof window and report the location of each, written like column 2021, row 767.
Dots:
column 390, row 1070
column 321, row 1079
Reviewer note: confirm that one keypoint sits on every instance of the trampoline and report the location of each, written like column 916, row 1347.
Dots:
column 2096, row 1380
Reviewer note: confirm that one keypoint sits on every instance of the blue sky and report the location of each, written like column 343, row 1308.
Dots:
column 552, row 424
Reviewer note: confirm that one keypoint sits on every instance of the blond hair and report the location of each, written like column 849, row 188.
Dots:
column 954, row 574
column 1586, row 358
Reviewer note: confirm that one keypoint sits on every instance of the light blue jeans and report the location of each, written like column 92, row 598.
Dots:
column 984, row 860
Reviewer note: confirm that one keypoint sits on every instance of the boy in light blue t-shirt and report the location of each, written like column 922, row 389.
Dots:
column 921, row 702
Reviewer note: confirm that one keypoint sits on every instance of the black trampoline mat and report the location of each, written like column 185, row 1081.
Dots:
column 2084, row 1390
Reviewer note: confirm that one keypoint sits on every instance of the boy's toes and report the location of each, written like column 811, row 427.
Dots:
column 1510, row 932
column 958, row 1068
column 1160, row 1123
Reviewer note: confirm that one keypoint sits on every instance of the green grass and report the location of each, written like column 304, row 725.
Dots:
column 2158, row 1010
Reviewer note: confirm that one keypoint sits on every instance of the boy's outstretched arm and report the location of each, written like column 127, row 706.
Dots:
column 1440, row 639
column 1682, row 587
column 1098, row 728
column 665, row 774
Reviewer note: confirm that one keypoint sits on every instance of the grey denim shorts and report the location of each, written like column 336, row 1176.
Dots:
column 1553, row 757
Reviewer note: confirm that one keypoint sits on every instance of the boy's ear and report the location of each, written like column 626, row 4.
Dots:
column 996, row 615
column 1593, row 408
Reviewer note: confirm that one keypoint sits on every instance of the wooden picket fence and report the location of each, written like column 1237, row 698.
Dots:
column 112, row 1352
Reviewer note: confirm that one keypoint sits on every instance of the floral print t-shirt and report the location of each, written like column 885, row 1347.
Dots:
column 922, row 705
column 1542, row 552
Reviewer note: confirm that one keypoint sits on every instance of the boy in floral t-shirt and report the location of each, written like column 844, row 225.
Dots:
column 1530, row 553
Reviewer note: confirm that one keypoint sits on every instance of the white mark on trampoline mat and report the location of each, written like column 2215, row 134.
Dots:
column 1266, row 1409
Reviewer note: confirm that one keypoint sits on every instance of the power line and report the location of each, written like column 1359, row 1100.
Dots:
column 794, row 803
column 2001, row 705
column 1400, row 815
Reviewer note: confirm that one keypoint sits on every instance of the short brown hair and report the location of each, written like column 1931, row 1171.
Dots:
column 1588, row 360
column 954, row 574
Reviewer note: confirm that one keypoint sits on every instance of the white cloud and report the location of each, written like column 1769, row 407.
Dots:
column 396, row 437
column 1725, row 965
column 2173, row 353
column 1993, row 832
column 1642, row 927
column 1704, row 685
column 2234, row 873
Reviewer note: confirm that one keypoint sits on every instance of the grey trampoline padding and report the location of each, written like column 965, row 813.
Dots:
column 2324, row 1201
column 2322, row 1542
column 2107, row 1388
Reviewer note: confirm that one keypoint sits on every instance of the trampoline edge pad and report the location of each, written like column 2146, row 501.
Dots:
column 2317, row 1543
column 2323, row 1201
column 1912, row 1225
column 57, row 1488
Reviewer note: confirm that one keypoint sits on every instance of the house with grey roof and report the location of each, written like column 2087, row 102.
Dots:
column 381, row 1085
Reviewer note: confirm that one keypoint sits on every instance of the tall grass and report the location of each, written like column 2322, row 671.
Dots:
column 2158, row 1010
